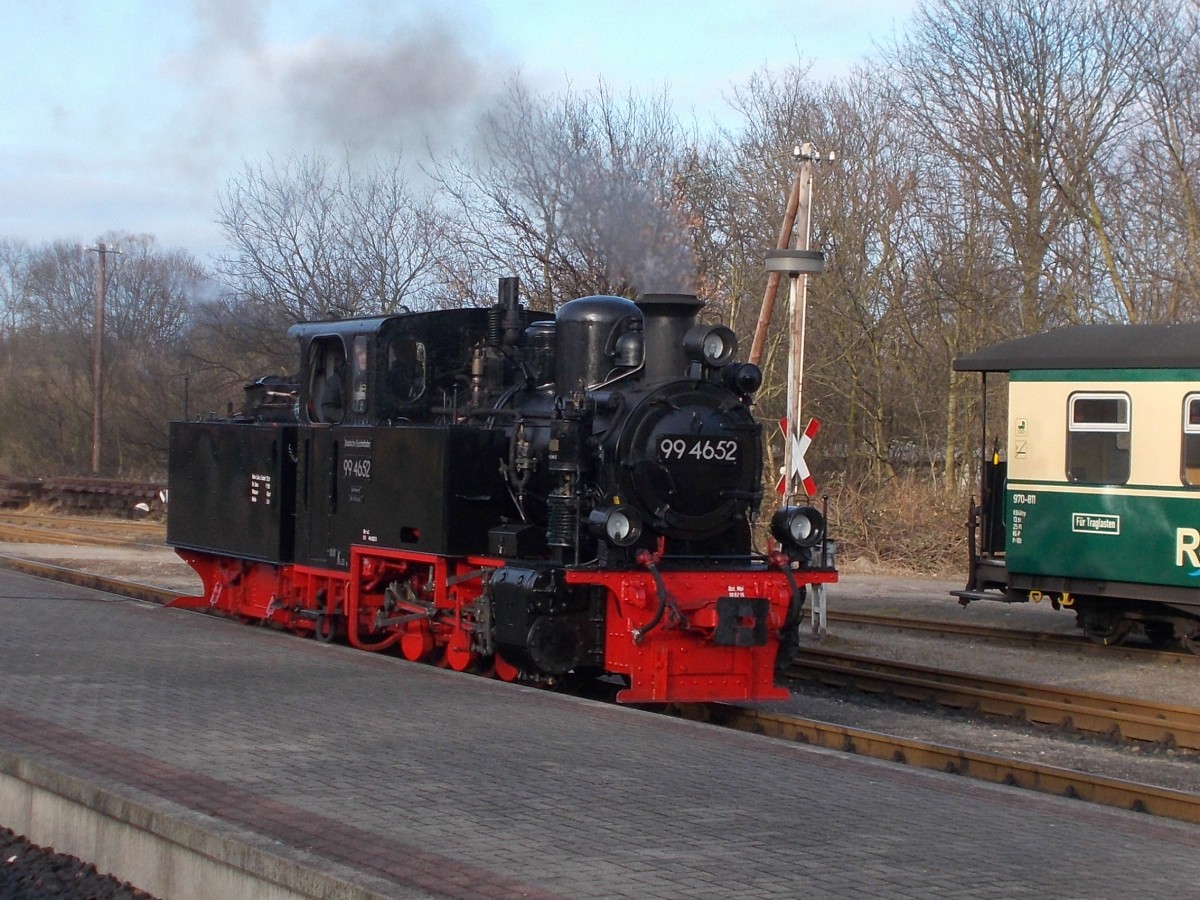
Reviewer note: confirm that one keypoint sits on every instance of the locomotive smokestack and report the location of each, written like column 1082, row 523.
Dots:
column 504, row 319
column 510, row 290
column 667, row 318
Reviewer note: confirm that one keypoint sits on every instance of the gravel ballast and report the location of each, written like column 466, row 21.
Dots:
column 29, row 872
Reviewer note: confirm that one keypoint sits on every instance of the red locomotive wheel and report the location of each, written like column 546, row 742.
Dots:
column 459, row 655
column 416, row 645
column 505, row 670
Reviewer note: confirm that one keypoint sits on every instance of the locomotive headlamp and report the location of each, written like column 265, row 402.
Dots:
column 745, row 378
column 798, row 526
column 713, row 345
column 618, row 525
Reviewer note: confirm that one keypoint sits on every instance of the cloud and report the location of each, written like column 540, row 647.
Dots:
column 230, row 23
column 422, row 81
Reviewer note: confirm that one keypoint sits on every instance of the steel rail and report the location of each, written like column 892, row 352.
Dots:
column 1084, row 711
column 118, row 586
column 81, row 522
column 1072, row 642
column 29, row 534
column 1062, row 782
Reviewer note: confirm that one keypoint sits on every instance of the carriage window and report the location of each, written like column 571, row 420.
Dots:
column 1098, row 439
column 1191, row 439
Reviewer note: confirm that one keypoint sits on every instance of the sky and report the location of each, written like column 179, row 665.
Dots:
column 133, row 115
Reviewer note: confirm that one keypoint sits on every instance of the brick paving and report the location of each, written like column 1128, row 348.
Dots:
column 451, row 785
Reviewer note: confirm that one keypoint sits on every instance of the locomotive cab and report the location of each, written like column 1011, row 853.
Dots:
column 336, row 382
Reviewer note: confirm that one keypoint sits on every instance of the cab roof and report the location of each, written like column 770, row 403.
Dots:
column 1092, row 347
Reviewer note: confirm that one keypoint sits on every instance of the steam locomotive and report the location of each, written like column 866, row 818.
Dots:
column 538, row 497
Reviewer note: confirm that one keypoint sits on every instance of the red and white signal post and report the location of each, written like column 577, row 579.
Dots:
column 797, row 485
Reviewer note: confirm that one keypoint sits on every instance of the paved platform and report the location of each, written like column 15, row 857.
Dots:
column 342, row 773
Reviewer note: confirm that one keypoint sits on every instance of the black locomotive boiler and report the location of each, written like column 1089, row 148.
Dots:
column 537, row 496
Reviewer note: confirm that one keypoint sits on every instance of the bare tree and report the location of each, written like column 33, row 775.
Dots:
column 310, row 239
column 1023, row 94
column 14, row 258
column 870, row 332
column 1152, row 201
column 577, row 196
column 46, row 384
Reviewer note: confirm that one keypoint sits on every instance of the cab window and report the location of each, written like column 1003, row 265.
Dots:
column 1098, row 438
column 1191, row 439
column 404, row 378
column 358, row 374
column 327, row 385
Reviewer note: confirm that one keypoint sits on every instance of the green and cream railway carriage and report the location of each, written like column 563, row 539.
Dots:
column 1094, row 504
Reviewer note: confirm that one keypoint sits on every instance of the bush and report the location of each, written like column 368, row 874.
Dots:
column 906, row 524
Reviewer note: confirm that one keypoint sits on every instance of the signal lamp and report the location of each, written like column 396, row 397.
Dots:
column 743, row 378
column 798, row 526
column 616, row 524
column 713, row 345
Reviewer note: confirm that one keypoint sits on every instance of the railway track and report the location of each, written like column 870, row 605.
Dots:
column 1099, row 789
column 76, row 530
column 1121, row 718
column 1075, row 643
column 118, row 586
column 81, row 522
column 1062, row 782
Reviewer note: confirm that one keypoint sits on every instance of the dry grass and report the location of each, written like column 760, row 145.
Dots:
column 906, row 525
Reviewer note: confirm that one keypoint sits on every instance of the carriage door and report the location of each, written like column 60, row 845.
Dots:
column 329, row 396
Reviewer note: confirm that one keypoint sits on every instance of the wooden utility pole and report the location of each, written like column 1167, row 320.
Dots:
column 784, row 241
column 98, row 356
column 799, row 209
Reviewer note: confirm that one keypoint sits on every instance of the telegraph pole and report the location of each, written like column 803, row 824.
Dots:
column 98, row 355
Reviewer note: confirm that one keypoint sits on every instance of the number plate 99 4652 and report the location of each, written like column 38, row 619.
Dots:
column 697, row 448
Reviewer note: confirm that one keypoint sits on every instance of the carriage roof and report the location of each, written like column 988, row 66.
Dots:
column 435, row 322
column 1092, row 347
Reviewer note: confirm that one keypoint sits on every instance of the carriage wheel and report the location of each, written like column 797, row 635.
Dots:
column 1161, row 635
column 1191, row 643
column 1105, row 629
